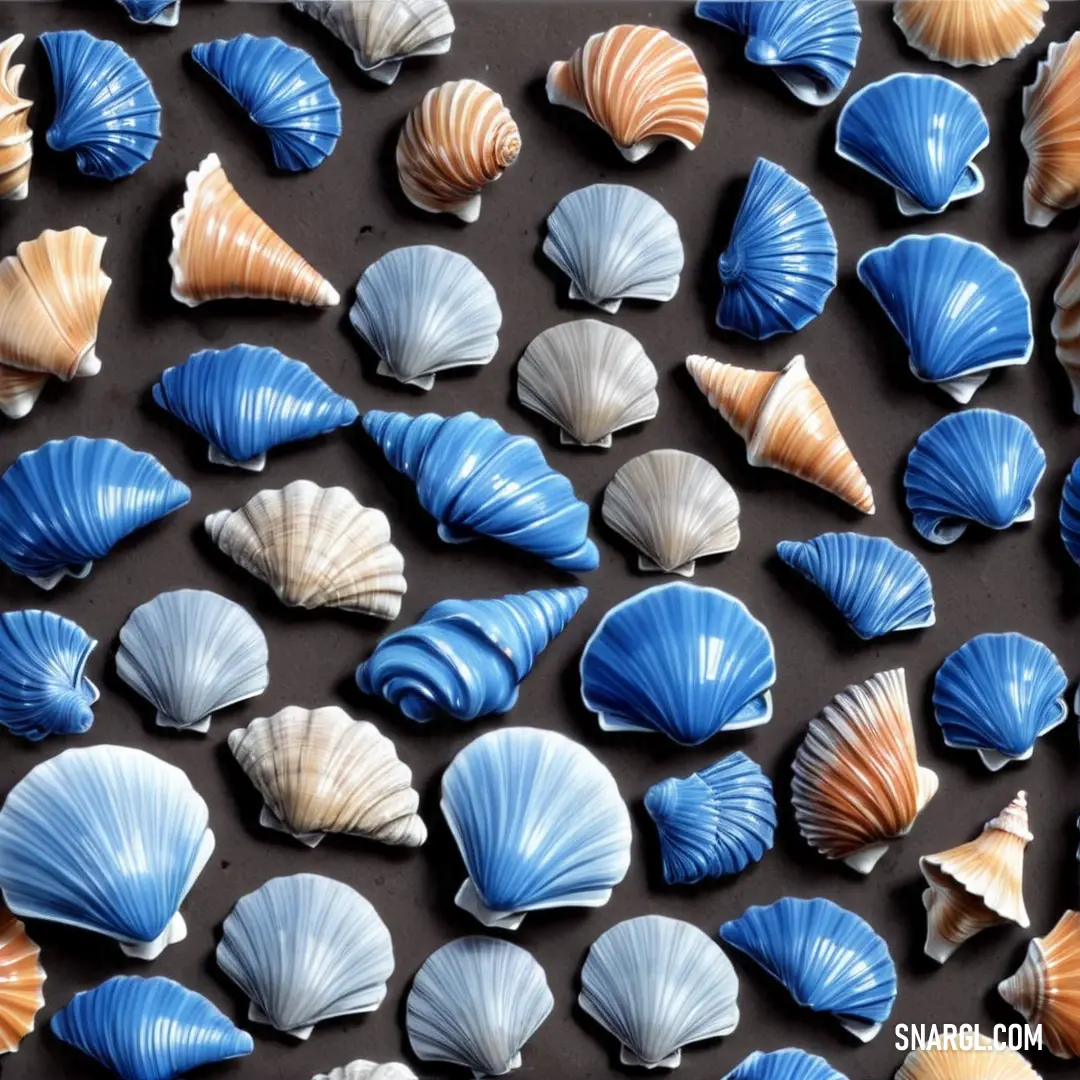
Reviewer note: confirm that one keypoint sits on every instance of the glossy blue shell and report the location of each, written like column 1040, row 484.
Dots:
column 283, row 91
column 878, row 587
column 465, row 658
column 918, row 133
column 157, row 12
column 682, row 660
column 715, row 822
column 1069, row 514
column 106, row 109
column 149, row 1029
column 980, row 465
column 789, row 1064
column 961, row 311
column 475, row 479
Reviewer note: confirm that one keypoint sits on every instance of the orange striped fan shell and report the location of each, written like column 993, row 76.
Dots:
column 986, row 1063
column 1066, row 325
column 16, row 138
column 21, row 979
column 961, row 32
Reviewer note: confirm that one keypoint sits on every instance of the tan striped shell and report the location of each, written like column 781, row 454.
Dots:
column 986, row 1063
column 16, row 138
column 1065, row 325
column 961, row 32
column 21, row 979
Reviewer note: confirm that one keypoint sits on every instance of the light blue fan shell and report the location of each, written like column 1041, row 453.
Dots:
column 283, row 91
column 465, row 658
column 156, row 12
column 106, row 109
column 149, row 1029
column 1069, row 515
column 789, row 1064
column 682, row 660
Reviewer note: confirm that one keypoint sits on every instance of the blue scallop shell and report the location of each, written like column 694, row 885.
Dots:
column 789, row 1064
column 713, row 823
column 465, row 658
column 810, row 44
column 149, row 1029
column 475, row 479
column 1069, row 515
column 43, row 690
column 156, row 12
column 878, row 587
column 918, row 133
column 106, row 109
column 283, row 91
column 981, row 465
column 997, row 694
column 961, row 311
column 70, row 501
column 682, row 660
column 828, row 958
column 246, row 400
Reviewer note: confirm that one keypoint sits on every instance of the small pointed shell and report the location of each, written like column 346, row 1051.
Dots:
column 961, row 32
column 21, row 979
column 16, row 138
column 984, row 1062
column 1066, row 325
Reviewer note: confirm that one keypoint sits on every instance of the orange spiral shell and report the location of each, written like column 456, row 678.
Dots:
column 16, row 145
column 21, row 979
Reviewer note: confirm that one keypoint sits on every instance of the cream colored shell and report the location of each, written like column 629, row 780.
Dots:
column 986, row 1063
column 1066, row 325
column 16, row 138
column 21, row 979
column 961, row 32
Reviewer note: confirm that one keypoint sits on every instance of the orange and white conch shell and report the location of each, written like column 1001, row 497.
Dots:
column 21, row 979
column 987, row 1062
column 639, row 84
column 221, row 248
column 961, row 32
column 786, row 424
column 1066, row 324
column 16, row 138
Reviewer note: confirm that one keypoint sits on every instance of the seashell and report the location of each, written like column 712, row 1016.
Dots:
column 19, row 391
column 826, row 957
column 475, row 479
column 786, row 424
column 919, row 134
column 1069, row 514
column 246, row 400
column 465, row 658
column 283, row 90
column 615, row 243
column 476, row 1002
column 780, row 263
column 319, row 771
column 858, row 782
column 715, row 822
column 315, row 547
column 305, row 949
column 956, row 1063
column 978, row 884
column 156, row 12
column 67, row 503
column 21, row 979
column 456, row 142
column 367, row 1070
column 16, row 138
column 1065, row 325
column 191, row 653
column 589, row 378
column 539, row 823
column 981, row 466
column 658, row 984
column 423, row 310
column 107, row 839
column 637, row 83
column 106, row 109
column 681, row 660
column 43, row 688
column 965, row 32
column 789, row 1064
column 222, row 249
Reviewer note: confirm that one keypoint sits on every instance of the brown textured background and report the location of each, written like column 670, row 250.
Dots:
column 346, row 214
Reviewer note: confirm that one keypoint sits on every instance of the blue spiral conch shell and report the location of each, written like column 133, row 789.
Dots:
column 878, row 587
column 810, row 44
column 713, row 823
column 961, row 311
column 155, row 12
column 107, row 839
column 70, row 501
column 106, row 109
column 246, row 400
column 981, row 466
column 475, row 479
column 1069, row 515
column 465, row 658
column 149, row 1029
column 43, row 690
column 681, row 660
column 828, row 958
column 919, row 134
column 539, row 822
column 789, row 1064
column 283, row 91
column 997, row 694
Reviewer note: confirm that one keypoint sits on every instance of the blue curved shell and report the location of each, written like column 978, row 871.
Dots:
column 981, row 466
column 828, row 958
column 878, row 587
column 465, row 658
column 106, row 109
column 283, row 91
column 961, row 311
column 70, row 501
column 246, row 400
column 713, row 823
column 1069, row 514
column 475, row 479
column 149, row 1029
column 919, row 134
column 789, row 1064
column 157, row 12
column 681, row 660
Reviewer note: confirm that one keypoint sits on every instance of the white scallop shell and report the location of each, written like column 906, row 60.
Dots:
column 369, row 1070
